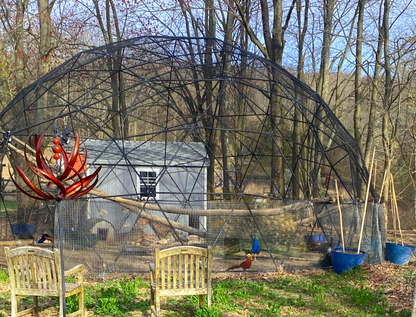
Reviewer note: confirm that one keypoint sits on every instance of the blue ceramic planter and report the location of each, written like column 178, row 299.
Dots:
column 23, row 231
column 345, row 261
column 399, row 254
column 314, row 238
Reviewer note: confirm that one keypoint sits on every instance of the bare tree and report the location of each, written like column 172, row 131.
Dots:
column 118, row 99
column 223, row 102
column 45, row 51
column 273, row 33
column 297, row 126
column 385, row 132
column 323, row 78
column 374, row 93
column 358, row 71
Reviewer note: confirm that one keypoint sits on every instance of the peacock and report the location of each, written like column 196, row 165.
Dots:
column 255, row 249
column 45, row 237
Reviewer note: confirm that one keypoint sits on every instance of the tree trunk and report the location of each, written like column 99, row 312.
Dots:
column 358, row 88
column 275, row 43
column 323, row 79
column 323, row 83
column 202, row 103
column 5, row 83
column 358, row 70
column 297, row 126
column 241, row 151
column 210, row 24
column 374, row 99
column 25, row 204
column 19, row 53
column 223, row 104
column 387, row 146
column 273, row 50
column 45, row 50
column 117, row 108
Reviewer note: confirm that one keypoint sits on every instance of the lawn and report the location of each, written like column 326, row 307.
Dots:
column 383, row 290
column 7, row 204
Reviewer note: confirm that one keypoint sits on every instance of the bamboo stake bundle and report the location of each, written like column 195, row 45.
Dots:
column 393, row 212
column 382, row 184
column 340, row 218
column 393, row 194
column 382, row 199
column 366, row 201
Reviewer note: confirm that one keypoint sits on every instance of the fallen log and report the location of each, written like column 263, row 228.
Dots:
column 208, row 212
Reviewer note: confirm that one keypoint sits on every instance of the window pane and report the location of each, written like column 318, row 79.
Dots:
column 147, row 184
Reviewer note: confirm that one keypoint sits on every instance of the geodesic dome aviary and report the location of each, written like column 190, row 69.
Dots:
column 199, row 142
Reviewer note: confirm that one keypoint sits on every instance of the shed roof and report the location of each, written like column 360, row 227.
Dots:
column 146, row 153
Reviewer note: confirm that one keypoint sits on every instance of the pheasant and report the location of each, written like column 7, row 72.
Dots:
column 244, row 265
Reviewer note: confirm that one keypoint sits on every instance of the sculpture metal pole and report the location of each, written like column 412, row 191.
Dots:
column 81, row 184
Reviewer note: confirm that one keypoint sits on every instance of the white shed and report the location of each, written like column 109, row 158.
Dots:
column 168, row 174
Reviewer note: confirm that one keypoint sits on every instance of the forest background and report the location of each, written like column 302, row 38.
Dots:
column 358, row 55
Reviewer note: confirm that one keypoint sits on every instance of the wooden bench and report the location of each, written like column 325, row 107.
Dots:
column 36, row 272
column 184, row 270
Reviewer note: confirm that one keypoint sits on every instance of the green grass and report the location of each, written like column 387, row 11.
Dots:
column 9, row 208
column 7, row 204
column 326, row 294
column 4, row 275
column 317, row 294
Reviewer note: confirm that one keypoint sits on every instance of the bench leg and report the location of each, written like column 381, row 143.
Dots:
column 13, row 303
column 157, row 308
column 201, row 300
column 81, row 302
column 153, row 308
column 61, row 305
column 36, row 305
column 209, row 299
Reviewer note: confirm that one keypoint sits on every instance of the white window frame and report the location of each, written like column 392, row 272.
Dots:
column 152, row 178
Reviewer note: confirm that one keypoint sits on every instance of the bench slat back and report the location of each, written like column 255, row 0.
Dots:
column 181, row 268
column 33, row 269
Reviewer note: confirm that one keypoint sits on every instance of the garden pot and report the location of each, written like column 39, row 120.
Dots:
column 314, row 238
column 345, row 261
column 23, row 231
column 16, row 228
column 399, row 254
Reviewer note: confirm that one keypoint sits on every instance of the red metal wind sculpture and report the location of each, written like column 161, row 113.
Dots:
column 77, row 189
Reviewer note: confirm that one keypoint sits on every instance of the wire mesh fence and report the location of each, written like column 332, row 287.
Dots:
column 197, row 142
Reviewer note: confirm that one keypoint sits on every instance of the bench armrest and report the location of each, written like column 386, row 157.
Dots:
column 76, row 269
column 152, row 269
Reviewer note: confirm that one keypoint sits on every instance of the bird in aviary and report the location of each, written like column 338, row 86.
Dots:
column 244, row 265
column 45, row 237
column 255, row 249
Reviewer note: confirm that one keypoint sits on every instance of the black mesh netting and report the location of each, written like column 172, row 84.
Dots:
column 200, row 143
